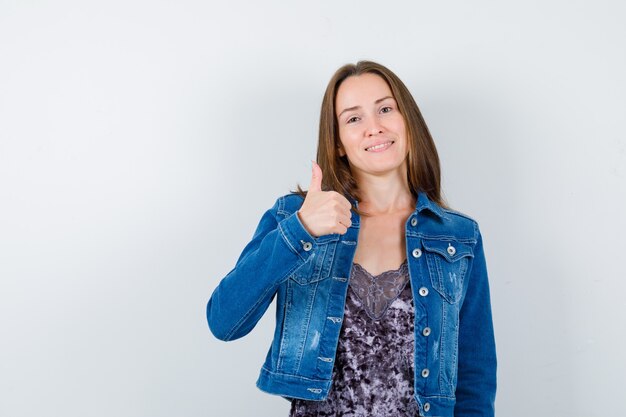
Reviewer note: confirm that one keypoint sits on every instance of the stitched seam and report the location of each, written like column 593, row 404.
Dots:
column 441, row 346
column 453, row 376
column 458, row 213
column 284, row 236
column 476, row 231
column 306, row 326
column 295, row 376
column 466, row 251
column 470, row 240
column 281, row 206
column 445, row 397
column 283, row 232
column 248, row 313
column 281, row 348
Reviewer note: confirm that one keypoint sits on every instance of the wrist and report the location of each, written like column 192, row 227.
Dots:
column 299, row 216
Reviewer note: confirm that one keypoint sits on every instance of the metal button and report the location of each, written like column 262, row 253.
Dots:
column 306, row 245
column 426, row 407
column 426, row 331
column 451, row 249
column 413, row 221
column 417, row 253
column 425, row 372
column 423, row 291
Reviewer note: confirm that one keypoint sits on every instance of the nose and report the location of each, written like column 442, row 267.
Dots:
column 374, row 128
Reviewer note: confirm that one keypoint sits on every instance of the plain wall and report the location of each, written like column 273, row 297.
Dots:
column 141, row 141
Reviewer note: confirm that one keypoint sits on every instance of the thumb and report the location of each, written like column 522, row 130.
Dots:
column 316, row 178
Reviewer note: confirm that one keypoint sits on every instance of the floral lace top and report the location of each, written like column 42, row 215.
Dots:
column 373, row 372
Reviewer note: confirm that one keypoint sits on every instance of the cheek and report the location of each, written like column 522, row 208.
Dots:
column 347, row 137
column 400, row 125
column 341, row 143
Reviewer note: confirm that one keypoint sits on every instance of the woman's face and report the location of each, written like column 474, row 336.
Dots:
column 368, row 115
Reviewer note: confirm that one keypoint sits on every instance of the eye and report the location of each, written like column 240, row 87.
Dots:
column 386, row 109
column 352, row 119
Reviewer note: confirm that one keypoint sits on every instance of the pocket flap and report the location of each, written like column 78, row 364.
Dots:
column 442, row 247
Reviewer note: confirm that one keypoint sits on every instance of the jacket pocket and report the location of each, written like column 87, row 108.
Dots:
column 447, row 264
column 319, row 264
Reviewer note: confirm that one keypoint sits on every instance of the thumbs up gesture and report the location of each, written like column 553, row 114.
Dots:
column 324, row 212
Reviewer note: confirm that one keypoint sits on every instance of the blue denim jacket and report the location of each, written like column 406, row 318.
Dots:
column 455, row 357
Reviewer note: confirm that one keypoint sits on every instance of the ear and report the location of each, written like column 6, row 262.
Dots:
column 341, row 152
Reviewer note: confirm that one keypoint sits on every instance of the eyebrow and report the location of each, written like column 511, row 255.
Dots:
column 358, row 107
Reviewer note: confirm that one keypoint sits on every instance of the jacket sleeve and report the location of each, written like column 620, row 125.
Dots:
column 276, row 250
column 476, row 383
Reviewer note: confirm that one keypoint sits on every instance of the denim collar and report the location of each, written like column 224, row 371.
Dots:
column 423, row 202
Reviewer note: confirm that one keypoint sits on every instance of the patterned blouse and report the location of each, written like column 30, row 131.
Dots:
column 373, row 372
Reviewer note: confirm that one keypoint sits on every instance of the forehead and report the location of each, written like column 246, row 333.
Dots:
column 361, row 90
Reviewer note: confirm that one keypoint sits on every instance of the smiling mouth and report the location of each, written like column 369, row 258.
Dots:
column 380, row 147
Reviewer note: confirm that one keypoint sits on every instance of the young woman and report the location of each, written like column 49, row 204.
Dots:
column 382, row 294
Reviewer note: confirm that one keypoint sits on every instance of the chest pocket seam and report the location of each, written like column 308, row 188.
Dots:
column 317, row 267
column 447, row 265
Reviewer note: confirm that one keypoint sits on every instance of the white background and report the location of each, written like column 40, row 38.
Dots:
column 140, row 142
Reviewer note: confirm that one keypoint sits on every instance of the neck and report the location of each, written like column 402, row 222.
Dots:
column 381, row 195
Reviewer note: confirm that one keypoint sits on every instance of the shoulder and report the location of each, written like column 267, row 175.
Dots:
column 461, row 216
column 287, row 204
column 462, row 221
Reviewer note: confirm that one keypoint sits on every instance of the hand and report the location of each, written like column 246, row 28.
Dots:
column 324, row 212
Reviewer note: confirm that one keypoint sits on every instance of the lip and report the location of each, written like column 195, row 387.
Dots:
column 379, row 143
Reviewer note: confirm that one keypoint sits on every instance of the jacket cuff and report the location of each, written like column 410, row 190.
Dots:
column 296, row 236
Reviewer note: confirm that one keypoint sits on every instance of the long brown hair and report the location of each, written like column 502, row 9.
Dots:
column 423, row 170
